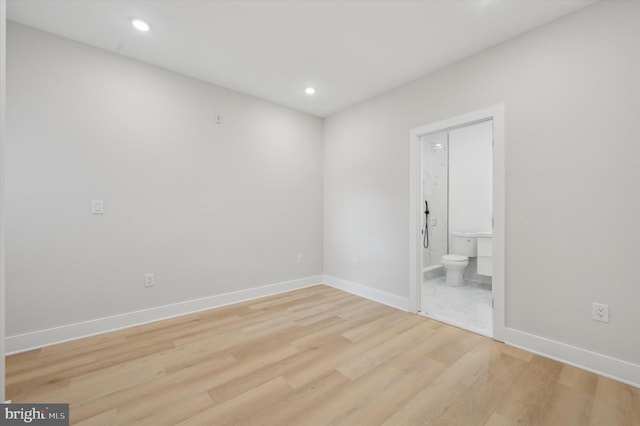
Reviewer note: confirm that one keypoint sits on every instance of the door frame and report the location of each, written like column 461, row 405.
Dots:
column 3, row 29
column 496, row 115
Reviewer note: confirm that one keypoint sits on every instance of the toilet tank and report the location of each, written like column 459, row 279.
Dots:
column 464, row 244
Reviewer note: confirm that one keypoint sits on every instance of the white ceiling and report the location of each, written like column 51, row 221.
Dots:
column 349, row 51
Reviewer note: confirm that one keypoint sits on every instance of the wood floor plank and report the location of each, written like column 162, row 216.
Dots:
column 371, row 358
column 578, row 379
column 529, row 394
column 244, row 406
column 499, row 420
column 480, row 398
column 397, row 392
column 351, row 396
column 615, row 404
column 293, row 409
column 169, row 414
column 147, row 397
column 448, row 390
column 312, row 357
column 340, row 327
column 349, row 352
column 108, row 418
column 566, row 406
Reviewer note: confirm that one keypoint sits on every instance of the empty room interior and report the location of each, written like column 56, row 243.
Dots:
column 320, row 212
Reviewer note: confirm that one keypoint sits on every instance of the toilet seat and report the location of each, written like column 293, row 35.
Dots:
column 455, row 258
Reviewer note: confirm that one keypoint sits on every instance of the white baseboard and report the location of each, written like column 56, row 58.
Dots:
column 604, row 365
column 51, row 336
column 368, row 292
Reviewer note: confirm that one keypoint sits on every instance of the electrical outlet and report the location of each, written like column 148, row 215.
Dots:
column 299, row 259
column 600, row 312
column 149, row 280
column 97, row 207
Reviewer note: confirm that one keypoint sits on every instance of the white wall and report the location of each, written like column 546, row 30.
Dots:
column 470, row 178
column 3, row 16
column 571, row 91
column 209, row 208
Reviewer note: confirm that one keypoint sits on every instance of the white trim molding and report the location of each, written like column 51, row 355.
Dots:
column 3, row 107
column 52, row 336
column 604, row 365
column 496, row 115
column 379, row 296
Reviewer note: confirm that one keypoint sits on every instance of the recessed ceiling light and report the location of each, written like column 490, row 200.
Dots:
column 309, row 90
column 140, row 25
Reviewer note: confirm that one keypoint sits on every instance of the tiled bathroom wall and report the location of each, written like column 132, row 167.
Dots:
column 434, row 186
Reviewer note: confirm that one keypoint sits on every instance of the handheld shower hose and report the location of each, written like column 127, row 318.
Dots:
column 425, row 235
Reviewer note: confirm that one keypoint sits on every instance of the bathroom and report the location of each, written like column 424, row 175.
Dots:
column 457, row 180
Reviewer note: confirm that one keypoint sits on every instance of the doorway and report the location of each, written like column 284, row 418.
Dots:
column 456, row 226
column 444, row 156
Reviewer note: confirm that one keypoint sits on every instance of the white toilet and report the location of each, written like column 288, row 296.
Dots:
column 463, row 246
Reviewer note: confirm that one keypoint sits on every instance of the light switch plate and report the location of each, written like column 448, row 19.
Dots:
column 149, row 280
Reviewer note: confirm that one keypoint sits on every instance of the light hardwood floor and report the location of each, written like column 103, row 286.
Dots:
column 316, row 356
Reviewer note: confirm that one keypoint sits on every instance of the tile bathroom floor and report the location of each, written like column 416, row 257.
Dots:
column 467, row 306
